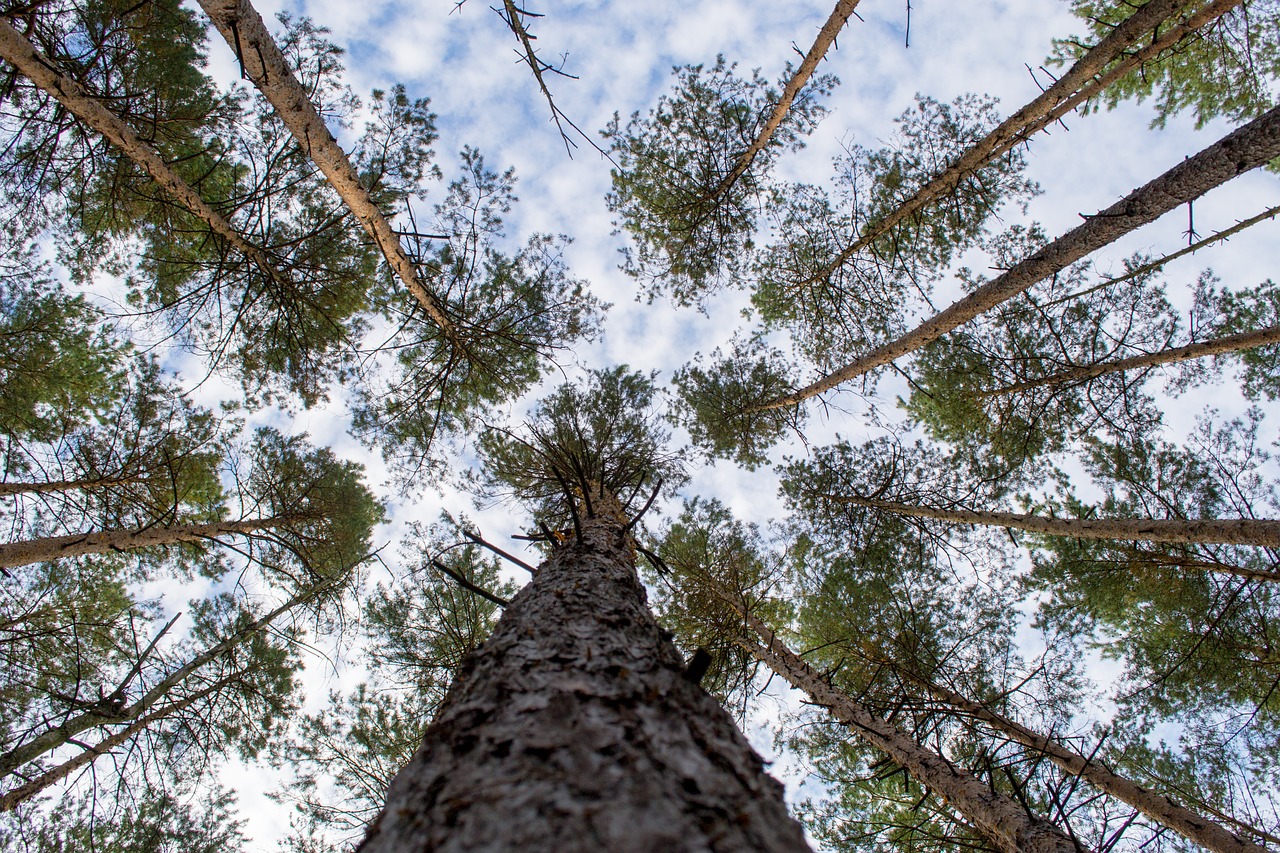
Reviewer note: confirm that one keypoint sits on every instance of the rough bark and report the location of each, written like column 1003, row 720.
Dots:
column 1195, row 827
column 1004, row 822
column 263, row 63
column 1088, row 77
column 24, row 57
column 113, row 709
column 1247, row 148
column 1262, row 532
column 104, row 542
column 1218, row 346
column 573, row 728
column 826, row 37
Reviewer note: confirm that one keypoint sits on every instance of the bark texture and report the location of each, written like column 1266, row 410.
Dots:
column 24, row 57
column 1243, row 150
column 1263, row 532
column 80, row 544
column 1004, row 822
column 573, row 728
column 1195, row 827
column 1218, row 346
column 1084, row 80
column 262, row 62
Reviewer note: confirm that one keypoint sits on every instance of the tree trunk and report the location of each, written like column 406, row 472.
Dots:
column 826, row 38
column 23, row 56
column 1262, row 532
column 108, row 541
column 1218, row 346
column 54, row 486
column 1004, row 822
column 262, row 62
column 573, row 728
column 1084, row 80
column 1195, row 827
column 1247, row 148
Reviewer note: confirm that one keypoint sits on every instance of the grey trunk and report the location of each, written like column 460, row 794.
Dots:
column 1243, row 150
column 1197, row 828
column 1004, row 822
column 573, row 729
column 1262, row 532
column 109, row 541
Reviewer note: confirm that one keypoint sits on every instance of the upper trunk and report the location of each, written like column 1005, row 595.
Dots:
column 1083, row 373
column 573, row 728
column 15, row 49
column 1084, row 80
column 108, row 541
column 1262, row 532
column 262, row 62
column 1245, row 149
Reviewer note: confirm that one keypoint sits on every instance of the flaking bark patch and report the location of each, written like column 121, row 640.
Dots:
column 573, row 728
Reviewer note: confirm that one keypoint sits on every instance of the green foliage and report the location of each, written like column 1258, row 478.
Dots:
column 1195, row 633
column 59, row 358
column 1225, row 70
column 1232, row 312
column 156, row 820
column 836, row 309
column 517, row 312
column 690, row 230
column 714, row 565
column 716, row 404
column 966, row 385
column 325, row 514
column 600, row 436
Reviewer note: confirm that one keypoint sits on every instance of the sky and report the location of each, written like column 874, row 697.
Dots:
column 620, row 55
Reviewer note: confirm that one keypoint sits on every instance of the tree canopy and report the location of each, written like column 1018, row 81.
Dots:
column 937, row 397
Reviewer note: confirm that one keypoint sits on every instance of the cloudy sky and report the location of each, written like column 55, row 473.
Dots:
column 621, row 54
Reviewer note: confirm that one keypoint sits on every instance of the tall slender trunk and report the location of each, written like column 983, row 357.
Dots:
column 108, row 541
column 1004, row 822
column 1195, row 827
column 16, row 50
column 573, row 728
column 1218, row 346
column 826, row 37
column 1087, row 78
column 63, row 733
column 262, row 62
column 54, row 486
column 1262, row 532
column 1247, row 148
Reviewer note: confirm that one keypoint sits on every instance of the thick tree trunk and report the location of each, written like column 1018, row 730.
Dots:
column 573, row 728
column 1004, row 822
column 1207, row 833
column 1218, row 346
column 108, row 541
column 262, row 62
column 23, row 56
column 1084, row 80
column 826, row 37
column 1247, row 148
column 1262, row 532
